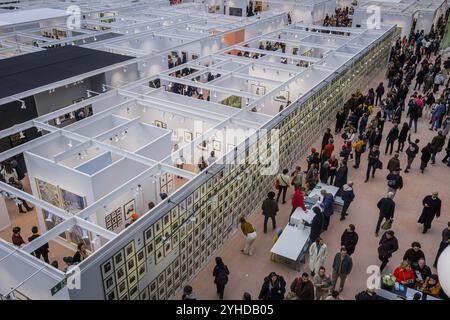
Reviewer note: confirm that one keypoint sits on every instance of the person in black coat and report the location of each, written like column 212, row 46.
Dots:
column 374, row 155
column 341, row 175
column 387, row 209
column 273, row 288
column 377, row 138
column 445, row 241
column 380, row 93
column 326, row 138
column 413, row 113
column 413, row 254
column 426, row 156
column 269, row 210
column 220, row 274
column 411, row 152
column 349, row 239
column 381, row 119
column 41, row 251
column 340, row 120
column 431, row 209
column 387, row 246
column 391, row 138
column 403, row 135
column 316, row 224
column 347, row 196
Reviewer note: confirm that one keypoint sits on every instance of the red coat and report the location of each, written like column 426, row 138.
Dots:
column 297, row 200
column 404, row 276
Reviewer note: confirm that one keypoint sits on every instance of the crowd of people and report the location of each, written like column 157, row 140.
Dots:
column 361, row 126
column 341, row 18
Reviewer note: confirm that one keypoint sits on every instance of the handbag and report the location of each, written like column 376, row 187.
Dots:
column 387, row 224
column 277, row 184
column 379, row 165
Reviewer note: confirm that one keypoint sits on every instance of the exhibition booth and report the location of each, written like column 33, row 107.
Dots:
column 408, row 15
column 308, row 12
column 144, row 140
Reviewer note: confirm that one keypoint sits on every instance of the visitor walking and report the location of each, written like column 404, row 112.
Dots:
column 373, row 162
column 340, row 121
column 394, row 181
column 250, row 236
column 269, row 210
column 347, row 196
column 386, row 207
column 349, row 239
column 283, row 184
column 327, row 137
column 359, row 148
column 303, row 287
column 437, row 144
column 444, row 243
column 426, row 156
column 403, row 135
column 413, row 113
column 318, row 252
column 411, row 152
column 220, row 274
column 391, row 138
column 341, row 175
column 431, row 209
column 394, row 163
column 380, row 92
column 297, row 178
column 387, row 246
column 342, row 266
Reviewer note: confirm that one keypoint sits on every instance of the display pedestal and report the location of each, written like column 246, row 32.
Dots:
column 5, row 222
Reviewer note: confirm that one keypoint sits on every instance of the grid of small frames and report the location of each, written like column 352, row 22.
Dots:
column 223, row 198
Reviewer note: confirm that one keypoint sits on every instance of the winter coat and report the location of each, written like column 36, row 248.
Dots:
column 270, row 208
column 345, row 267
column 398, row 181
column 349, row 240
column 433, row 210
column 341, row 176
column 403, row 134
column 327, row 205
column 438, row 143
column 303, row 290
column 347, row 193
column 426, row 154
column 386, row 207
column 413, row 256
column 387, row 246
column 393, row 164
column 316, row 226
column 317, row 259
column 393, row 134
column 276, row 292
column 297, row 200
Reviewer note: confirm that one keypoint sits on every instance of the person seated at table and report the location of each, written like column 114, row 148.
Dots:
column 404, row 274
column 422, row 272
column 432, row 286
column 297, row 201
column 413, row 254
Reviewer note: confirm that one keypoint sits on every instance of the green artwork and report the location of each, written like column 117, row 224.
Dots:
column 232, row 101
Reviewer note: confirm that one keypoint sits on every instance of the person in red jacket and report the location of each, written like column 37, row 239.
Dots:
column 297, row 201
column 404, row 274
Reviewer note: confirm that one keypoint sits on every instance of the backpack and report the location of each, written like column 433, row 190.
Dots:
column 392, row 183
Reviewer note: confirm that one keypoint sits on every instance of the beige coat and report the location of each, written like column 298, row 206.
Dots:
column 317, row 259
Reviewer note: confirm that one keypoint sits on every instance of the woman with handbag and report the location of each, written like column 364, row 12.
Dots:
column 283, row 184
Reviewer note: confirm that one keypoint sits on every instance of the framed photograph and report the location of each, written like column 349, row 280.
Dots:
column 166, row 221
column 72, row 202
column 132, row 279
column 283, row 96
column 120, row 273
column 148, row 234
column 188, row 136
column 129, row 209
column 112, row 295
column 167, row 247
column 144, row 295
column 150, row 248
column 49, row 193
column 134, row 293
column 118, row 259
column 129, row 250
column 189, row 201
column 109, row 283
column 159, row 255
column 131, row 265
column 140, row 256
column 142, row 270
column 153, row 286
column 158, row 227
column 217, row 145
column 160, row 124
column 122, row 288
column 107, row 268
column 258, row 90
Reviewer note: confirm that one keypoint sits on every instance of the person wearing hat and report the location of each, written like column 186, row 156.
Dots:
column 269, row 210
column 394, row 181
column 431, row 209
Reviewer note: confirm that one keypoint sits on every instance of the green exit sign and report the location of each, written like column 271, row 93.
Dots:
column 58, row 287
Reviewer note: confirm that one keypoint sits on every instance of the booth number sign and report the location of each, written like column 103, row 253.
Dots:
column 58, row 287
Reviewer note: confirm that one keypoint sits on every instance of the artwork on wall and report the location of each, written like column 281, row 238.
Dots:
column 160, row 124
column 129, row 208
column 215, row 8
column 258, row 90
column 72, row 202
column 107, row 268
column 283, row 96
column 235, row 12
column 129, row 250
column 217, row 145
column 188, row 136
column 48, row 192
column 295, row 51
column 232, row 101
column 114, row 220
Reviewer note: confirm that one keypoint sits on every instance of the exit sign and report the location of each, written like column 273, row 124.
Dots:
column 58, row 287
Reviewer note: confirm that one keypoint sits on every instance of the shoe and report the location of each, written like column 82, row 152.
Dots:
column 373, row 176
column 406, row 171
column 21, row 211
column 341, row 289
column 433, row 163
column 346, row 214
column 283, row 202
column 424, row 231
column 366, row 180
column 342, row 218
column 421, row 171
column 30, row 209
column 376, row 234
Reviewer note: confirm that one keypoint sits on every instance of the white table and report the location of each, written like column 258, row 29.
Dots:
column 299, row 215
column 322, row 186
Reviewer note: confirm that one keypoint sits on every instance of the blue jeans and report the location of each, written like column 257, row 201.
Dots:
column 433, row 157
column 389, row 114
column 411, row 120
column 436, row 124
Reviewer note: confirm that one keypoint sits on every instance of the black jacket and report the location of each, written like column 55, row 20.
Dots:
column 316, row 226
column 413, row 110
column 374, row 156
column 42, row 249
column 341, row 176
column 347, row 264
column 377, row 139
column 426, row 154
column 403, row 134
column 397, row 181
column 386, row 207
column 349, row 241
column 387, row 246
column 277, row 292
column 269, row 208
column 413, row 256
column 393, row 134
column 412, row 150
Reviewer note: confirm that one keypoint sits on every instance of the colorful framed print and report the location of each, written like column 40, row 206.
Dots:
column 72, row 202
column 129, row 208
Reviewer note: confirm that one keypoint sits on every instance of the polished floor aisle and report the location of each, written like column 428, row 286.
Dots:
column 247, row 273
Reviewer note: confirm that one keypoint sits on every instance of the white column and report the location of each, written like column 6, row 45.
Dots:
column 5, row 222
